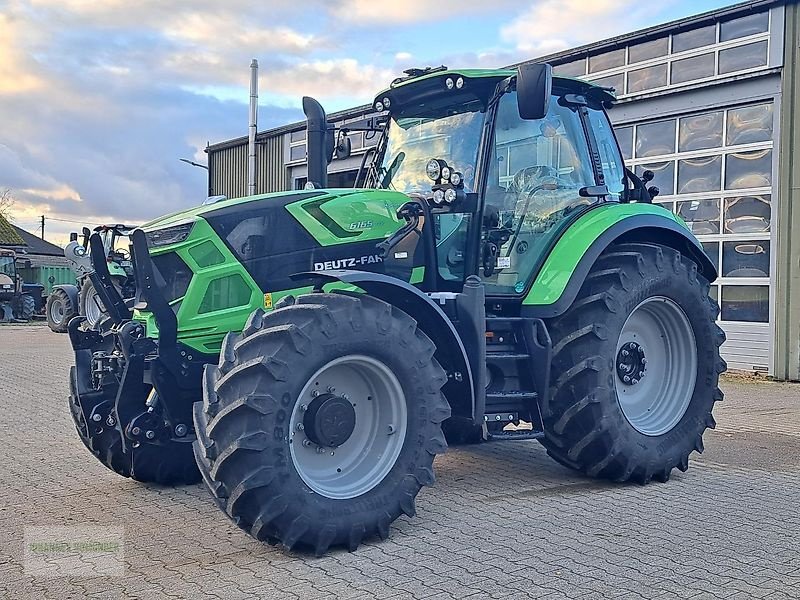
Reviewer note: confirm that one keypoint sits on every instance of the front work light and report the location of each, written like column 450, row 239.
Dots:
column 433, row 169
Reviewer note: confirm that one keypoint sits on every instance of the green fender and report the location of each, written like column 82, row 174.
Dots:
column 574, row 253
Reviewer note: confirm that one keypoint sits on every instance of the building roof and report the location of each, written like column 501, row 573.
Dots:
column 8, row 234
column 36, row 245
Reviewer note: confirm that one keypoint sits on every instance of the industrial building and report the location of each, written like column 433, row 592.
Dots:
column 708, row 103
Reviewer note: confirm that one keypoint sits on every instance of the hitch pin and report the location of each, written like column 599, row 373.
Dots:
column 152, row 399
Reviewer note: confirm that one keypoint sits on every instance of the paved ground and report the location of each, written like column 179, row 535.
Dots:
column 502, row 521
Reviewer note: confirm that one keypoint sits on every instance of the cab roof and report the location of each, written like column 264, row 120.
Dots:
column 415, row 76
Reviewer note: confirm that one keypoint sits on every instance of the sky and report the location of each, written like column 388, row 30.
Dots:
column 100, row 98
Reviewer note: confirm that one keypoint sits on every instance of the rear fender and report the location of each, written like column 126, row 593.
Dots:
column 570, row 260
column 431, row 319
column 71, row 291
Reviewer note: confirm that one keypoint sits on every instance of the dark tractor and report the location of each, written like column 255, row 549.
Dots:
column 18, row 300
column 502, row 276
column 67, row 301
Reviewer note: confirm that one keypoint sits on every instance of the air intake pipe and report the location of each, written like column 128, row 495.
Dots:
column 319, row 142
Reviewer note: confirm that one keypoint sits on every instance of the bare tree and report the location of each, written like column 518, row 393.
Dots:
column 6, row 202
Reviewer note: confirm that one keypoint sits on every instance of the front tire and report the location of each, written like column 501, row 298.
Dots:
column 59, row 310
column 635, row 367
column 321, row 422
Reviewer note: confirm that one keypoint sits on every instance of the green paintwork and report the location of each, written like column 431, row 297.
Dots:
column 555, row 274
column 344, row 216
column 417, row 275
column 115, row 270
column 200, row 330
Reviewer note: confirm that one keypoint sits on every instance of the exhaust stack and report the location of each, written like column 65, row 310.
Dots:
column 251, row 130
column 316, row 142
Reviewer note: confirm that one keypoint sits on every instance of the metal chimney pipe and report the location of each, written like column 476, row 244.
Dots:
column 252, row 128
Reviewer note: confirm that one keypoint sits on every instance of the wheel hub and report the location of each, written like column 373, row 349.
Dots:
column 631, row 363
column 329, row 420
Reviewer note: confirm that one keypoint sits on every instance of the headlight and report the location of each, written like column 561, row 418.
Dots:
column 450, row 195
column 459, row 83
column 169, row 235
column 379, row 106
column 449, row 83
column 387, row 103
column 438, row 196
column 433, row 169
column 456, row 178
column 446, row 173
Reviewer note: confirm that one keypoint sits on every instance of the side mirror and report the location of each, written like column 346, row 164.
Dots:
column 343, row 146
column 534, row 85
column 73, row 236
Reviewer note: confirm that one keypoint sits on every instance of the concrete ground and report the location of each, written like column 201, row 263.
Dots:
column 503, row 520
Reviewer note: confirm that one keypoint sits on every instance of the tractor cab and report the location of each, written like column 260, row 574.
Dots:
column 8, row 272
column 500, row 162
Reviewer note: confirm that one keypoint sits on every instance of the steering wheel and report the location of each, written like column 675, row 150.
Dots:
column 530, row 177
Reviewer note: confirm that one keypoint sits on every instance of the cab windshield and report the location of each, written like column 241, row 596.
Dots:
column 451, row 132
column 7, row 266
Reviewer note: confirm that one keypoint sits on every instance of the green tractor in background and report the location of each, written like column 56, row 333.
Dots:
column 503, row 276
column 67, row 301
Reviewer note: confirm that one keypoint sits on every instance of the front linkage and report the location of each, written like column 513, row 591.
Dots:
column 131, row 404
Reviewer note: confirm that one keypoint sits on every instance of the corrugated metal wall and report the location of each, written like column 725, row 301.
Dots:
column 270, row 171
column 228, row 169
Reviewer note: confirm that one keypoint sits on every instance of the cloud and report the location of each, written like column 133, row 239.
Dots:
column 552, row 25
column 379, row 13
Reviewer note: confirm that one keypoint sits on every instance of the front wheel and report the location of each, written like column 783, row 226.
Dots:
column 321, row 422
column 59, row 310
column 635, row 367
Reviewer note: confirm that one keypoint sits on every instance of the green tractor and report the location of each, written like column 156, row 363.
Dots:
column 502, row 276
column 67, row 301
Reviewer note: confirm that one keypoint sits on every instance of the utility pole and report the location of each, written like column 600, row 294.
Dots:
column 42, row 226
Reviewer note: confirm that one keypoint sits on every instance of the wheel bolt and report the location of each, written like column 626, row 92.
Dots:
column 345, row 396
column 634, row 381
column 626, row 379
column 320, row 449
column 136, row 431
column 300, row 427
column 624, row 353
column 181, row 429
column 644, row 360
column 306, row 443
column 96, row 417
column 314, row 393
column 331, row 389
column 150, row 434
column 303, row 407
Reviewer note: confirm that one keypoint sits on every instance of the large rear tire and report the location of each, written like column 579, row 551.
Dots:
column 25, row 307
column 635, row 368
column 321, row 422
column 59, row 310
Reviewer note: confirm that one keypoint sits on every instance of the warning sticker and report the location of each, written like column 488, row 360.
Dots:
column 268, row 300
column 503, row 262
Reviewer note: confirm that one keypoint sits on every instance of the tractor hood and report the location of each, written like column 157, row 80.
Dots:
column 329, row 215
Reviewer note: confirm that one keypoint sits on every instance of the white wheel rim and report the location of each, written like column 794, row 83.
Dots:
column 656, row 366
column 93, row 307
column 371, row 450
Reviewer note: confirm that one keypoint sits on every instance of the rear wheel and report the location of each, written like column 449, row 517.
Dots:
column 321, row 422
column 25, row 307
column 635, row 367
column 59, row 310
